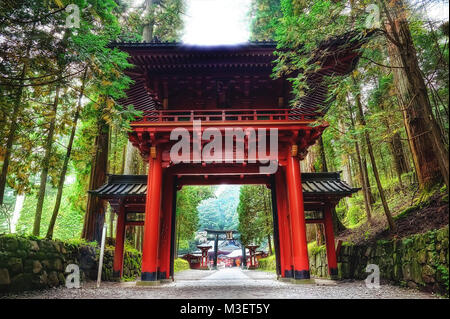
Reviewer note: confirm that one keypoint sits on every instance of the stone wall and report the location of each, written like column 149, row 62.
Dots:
column 28, row 264
column 420, row 261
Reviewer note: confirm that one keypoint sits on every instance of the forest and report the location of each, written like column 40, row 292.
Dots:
column 62, row 128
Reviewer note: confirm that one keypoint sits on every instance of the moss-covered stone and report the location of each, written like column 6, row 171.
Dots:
column 11, row 244
column 53, row 279
column 57, row 264
column 15, row 265
column 22, row 282
column 412, row 261
column 422, row 256
column 37, row 267
column 39, row 263
column 34, row 245
column 4, row 277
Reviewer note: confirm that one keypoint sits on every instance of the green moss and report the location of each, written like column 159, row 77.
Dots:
column 77, row 242
column 313, row 249
column 347, row 244
column 406, row 212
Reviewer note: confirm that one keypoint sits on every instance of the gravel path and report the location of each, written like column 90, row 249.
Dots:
column 229, row 283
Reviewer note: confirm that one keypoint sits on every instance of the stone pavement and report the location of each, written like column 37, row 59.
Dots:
column 229, row 283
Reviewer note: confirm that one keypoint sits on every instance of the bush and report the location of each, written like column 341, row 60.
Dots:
column 354, row 215
column 180, row 265
column 268, row 263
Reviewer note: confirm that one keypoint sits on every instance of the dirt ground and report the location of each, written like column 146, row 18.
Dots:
column 228, row 283
column 435, row 215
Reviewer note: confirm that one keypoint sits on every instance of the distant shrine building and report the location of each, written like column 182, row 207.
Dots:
column 204, row 93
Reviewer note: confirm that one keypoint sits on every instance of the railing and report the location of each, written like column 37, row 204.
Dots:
column 227, row 115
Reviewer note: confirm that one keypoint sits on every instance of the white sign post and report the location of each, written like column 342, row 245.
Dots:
column 100, row 262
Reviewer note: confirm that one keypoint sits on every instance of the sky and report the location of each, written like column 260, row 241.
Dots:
column 437, row 10
column 212, row 22
column 209, row 22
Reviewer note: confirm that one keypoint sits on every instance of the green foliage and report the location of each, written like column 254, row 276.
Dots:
column 219, row 212
column 180, row 265
column 443, row 270
column 6, row 215
column 264, row 15
column 255, row 214
column 353, row 215
column 69, row 221
column 183, row 245
column 313, row 249
column 78, row 242
column 268, row 264
column 188, row 200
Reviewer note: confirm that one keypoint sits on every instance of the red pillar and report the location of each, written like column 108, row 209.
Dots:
column 283, row 225
column 329, row 237
column 120, row 240
column 165, row 229
column 297, row 219
column 151, row 226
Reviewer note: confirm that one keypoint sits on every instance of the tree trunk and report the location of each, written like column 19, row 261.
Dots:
column 96, row 207
column 131, row 158
column 323, row 158
column 345, row 158
column 362, row 120
column 337, row 224
column 45, row 165
column 62, row 177
column 14, row 125
column 398, row 155
column 319, row 234
column 147, row 32
column 268, row 214
column 426, row 142
column 10, row 139
column 401, row 160
column 269, row 241
column 366, row 174
column 362, row 175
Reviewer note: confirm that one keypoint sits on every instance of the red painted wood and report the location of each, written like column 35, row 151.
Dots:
column 120, row 241
column 228, row 180
column 136, row 223
column 283, row 115
column 297, row 217
column 283, row 224
column 152, row 211
column 166, row 223
column 329, row 237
